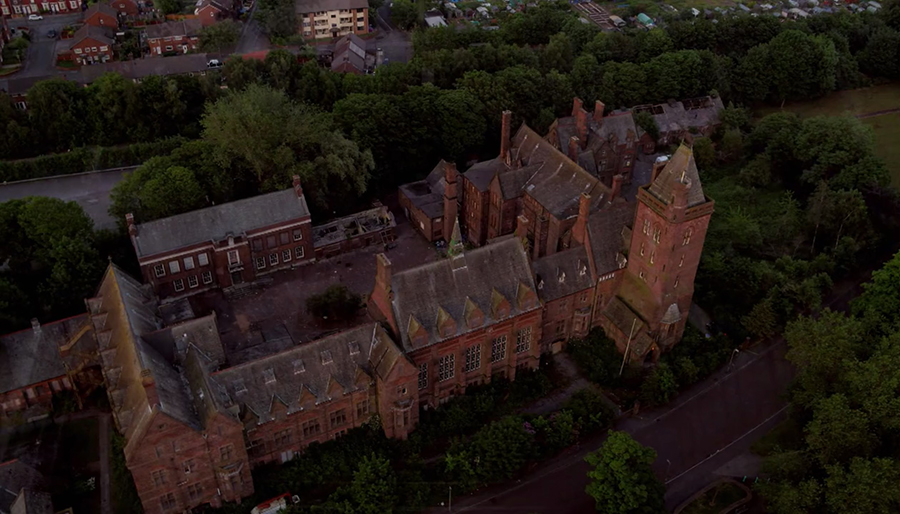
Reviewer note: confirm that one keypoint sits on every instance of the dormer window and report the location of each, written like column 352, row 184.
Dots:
column 562, row 277
column 540, row 284
column 354, row 348
column 299, row 367
column 269, row 375
column 326, row 357
column 239, row 386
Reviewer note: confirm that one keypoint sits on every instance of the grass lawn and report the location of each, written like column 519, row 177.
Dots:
column 786, row 436
column 862, row 101
column 716, row 499
column 8, row 70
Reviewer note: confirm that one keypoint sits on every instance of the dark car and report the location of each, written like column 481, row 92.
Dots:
column 51, row 34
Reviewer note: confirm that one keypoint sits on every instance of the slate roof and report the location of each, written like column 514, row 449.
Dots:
column 215, row 223
column 428, row 195
column 100, row 34
column 140, row 68
column 562, row 274
column 679, row 171
column 618, row 124
column 189, row 27
column 312, row 6
column 306, row 372
column 15, row 475
column 481, row 174
column 350, row 48
column 459, row 285
column 605, row 234
column 699, row 112
column 31, row 356
column 513, row 182
column 623, row 317
column 32, row 502
column 102, row 8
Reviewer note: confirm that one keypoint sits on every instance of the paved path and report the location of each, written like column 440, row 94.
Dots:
column 555, row 401
column 105, row 491
column 89, row 190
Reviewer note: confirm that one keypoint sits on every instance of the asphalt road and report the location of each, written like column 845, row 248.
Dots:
column 89, row 190
column 41, row 56
column 252, row 37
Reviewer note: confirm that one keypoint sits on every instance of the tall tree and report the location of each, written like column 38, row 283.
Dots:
column 622, row 481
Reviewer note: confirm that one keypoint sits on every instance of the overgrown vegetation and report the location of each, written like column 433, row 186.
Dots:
column 124, row 494
column 337, row 303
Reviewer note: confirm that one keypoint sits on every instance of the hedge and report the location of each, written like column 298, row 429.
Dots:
column 86, row 159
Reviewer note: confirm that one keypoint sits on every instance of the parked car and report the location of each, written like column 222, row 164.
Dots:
column 51, row 34
column 35, row 17
column 214, row 63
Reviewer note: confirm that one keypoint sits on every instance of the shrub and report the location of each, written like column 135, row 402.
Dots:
column 597, row 357
column 660, row 386
column 336, row 303
column 590, row 412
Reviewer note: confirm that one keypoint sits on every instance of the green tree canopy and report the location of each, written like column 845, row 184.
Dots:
column 622, row 481
column 219, row 36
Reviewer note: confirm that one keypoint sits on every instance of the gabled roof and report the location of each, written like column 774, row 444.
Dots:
column 428, row 195
column 680, row 171
column 102, row 8
column 562, row 274
column 618, row 124
column 32, row 356
column 307, row 372
column 189, row 27
column 102, row 35
column 472, row 276
column 215, row 4
column 140, row 68
column 352, row 49
column 15, row 475
column 217, row 222
column 605, row 228
column 481, row 173
column 513, row 182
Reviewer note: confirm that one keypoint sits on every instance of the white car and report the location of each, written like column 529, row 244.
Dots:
column 35, row 17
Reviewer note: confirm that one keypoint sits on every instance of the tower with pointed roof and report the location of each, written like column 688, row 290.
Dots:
column 670, row 224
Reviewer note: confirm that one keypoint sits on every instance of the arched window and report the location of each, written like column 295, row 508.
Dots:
column 687, row 237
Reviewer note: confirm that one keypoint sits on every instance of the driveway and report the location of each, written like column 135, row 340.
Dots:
column 89, row 190
column 252, row 37
column 41, row 57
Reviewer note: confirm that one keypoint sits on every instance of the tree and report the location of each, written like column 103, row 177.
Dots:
column 373, row 489
column 839, row 432
column 645, row 121
column 112, row 108
column 278, row 18
column 337, row 303
column 879, row 304
column 157, row 189
column 496, row 452
column 404, row 14
column 219, row 36
column 704, row 153
column 622, row 481
column 170, row 6
column 56, row 110
column 557, row 55
column 660, row 386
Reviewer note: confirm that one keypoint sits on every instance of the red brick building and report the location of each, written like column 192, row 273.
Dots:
column 92, row 45
column 367, row 228
column 431, row 204
column 679, row 121
column 225, row 245
column 101, row 15
column 20, row 8
column 211, row 11
column 462, row 320
column 125, row 7
column 38, row 363
column 181, row 37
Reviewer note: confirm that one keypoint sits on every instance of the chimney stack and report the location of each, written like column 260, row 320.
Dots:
column 297, row 188
column 581, row 124
column 36, row 325
column 574, row 148
column 576, row 106
column 129, row 222
column 584, row 210
column 521, row 226
column 598, row 111
column 451, row 206
column 616, row 187
column 506, row 121
column 379, row 304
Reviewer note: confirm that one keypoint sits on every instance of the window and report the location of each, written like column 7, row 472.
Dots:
column 77, row 50
column 362, row 409
column 94, row 49
column 283, row 238
column 233, row 258
column 189, row 466
column 203, row 259
column 473, row 358
column 273, row 259
column 523, row 340
column 160, row 271
column 299, row 367
column 257, row 245
column 174, row 267
column 641, row 274
column 207, row 277
column 169, row 48
column 446, row 365
column 168, row 501
column 652, row 257
column 226, row 452
column 269, row 375
column 159, row 477
column 687, row 237
column 270, row 242
column 195, row 491
column 560, row 327
column 311, row 428
column 298, row 234
column 642, row 249
column 676, row 282
column 260, row 263
column 338, row 418
column 681, row 261
column 298, row 252
column 179, row 284
column 283, row 437
column 646, row 229
column 193, row 282
column 285, row 255
column 656, row 233
column 498, row 349
column 423, row 376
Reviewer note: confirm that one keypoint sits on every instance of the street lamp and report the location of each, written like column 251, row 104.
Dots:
column 450, row 499
column 733, row 353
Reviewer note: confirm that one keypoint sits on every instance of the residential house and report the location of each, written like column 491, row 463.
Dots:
column 180, row 37
column 139, row 69
column 225, row 245
column 426, row 202
column 321, row 19
column 128, row 8
column 33, row 368
column 211, row 11
column 350, row 56
column 21, row 8
column 101, row 15
column 463, row 320
column 17, row 88
column 92, row 45
column 4, row 34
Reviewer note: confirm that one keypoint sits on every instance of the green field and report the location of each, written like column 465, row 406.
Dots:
column 859, row 102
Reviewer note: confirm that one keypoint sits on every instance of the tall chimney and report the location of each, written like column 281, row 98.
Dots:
column 576, row 106
column 451, row 206
column 580, row 227
column 129, row 222
column 379, row 304
column 616, row 187
column 581, row 124
column 521, row 226
column 297, row 188
column 574, row 148
column 506, row 121
column 598, row 111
